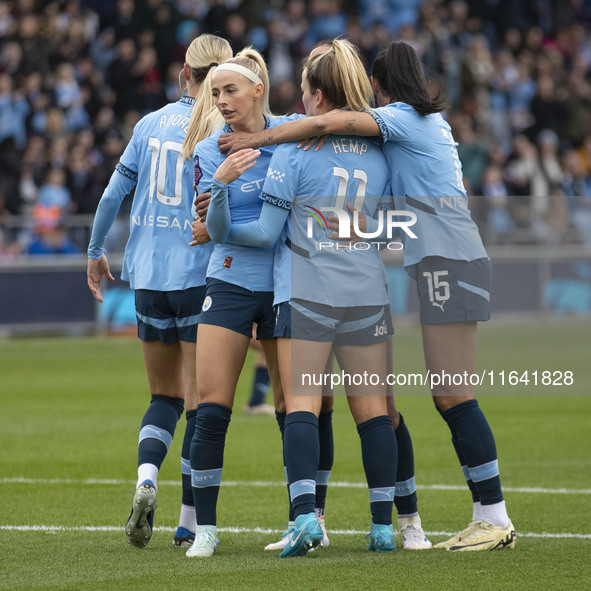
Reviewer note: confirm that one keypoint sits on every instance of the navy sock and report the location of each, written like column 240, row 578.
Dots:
column 207, row 458
column 380, row 456
column 465, row 471
column 326, row 460
column 157, row 429
column 280, row 417
column 476, row 442
column 186, row 458
column 260, row 386
column 302, row 449
column 405, row 497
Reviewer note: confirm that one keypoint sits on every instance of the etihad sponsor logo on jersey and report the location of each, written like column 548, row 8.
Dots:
column 252, row 186
column 275, row 175
column 160, row 221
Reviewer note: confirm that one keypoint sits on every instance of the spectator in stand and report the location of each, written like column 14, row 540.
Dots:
column 472, row 151
column 547, row 107
column 511, row 72
column 14, row 110
column 49, row 235
column 84, row 184
column 326, row 21
column 124, row 77
column 547, row 177
column 54, row 193
column 498, row 218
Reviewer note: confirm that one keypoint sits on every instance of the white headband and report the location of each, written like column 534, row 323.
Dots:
column 241, row 70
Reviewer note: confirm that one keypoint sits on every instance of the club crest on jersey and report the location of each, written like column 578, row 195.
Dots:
column 206, row 304
column 275, row 174
column 198, row 171
column 228, row 262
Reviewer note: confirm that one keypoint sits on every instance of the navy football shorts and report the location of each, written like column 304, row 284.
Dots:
column 343, row 326
column 453, row 291
column 168, row 316
column 237, row 308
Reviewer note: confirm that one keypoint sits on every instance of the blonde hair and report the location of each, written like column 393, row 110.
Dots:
column 340, row 75
column 250, row 58
column 202, row 56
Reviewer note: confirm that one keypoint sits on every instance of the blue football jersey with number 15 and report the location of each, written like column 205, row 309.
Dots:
column 428, row 182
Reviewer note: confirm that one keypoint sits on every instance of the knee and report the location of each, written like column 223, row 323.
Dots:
column 211, row 421
column 443, row 403
column 395, row 417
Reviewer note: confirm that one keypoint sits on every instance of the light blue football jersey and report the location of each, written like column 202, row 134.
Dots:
column 247, row 266
column 157, row 254
column 308, row 264
column 427, row 180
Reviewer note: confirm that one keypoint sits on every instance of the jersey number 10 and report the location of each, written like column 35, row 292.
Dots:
column 158, row 161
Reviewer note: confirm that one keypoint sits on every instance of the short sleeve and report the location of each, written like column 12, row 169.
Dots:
column 391, row 122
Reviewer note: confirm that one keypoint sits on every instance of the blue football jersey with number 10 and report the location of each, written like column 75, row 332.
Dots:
column 158, row 255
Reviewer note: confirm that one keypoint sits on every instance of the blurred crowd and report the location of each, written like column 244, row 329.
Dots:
column 76, row 75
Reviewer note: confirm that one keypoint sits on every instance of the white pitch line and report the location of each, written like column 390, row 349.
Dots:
column 260, row 530
column 267, row 484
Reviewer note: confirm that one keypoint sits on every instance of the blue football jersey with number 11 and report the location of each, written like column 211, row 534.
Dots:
column 315, row 185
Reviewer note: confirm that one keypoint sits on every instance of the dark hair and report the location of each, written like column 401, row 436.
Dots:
column 398, row 71
column 199, row 74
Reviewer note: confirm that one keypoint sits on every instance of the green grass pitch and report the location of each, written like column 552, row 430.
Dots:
column 70, row 411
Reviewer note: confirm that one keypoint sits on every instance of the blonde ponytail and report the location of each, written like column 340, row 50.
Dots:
column 340, row 75
column 203, row 55
column 250, row 58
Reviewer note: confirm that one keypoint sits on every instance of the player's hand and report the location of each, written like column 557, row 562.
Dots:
column 229, row 143
column 235, row 164
column 201, row 204
column 311, row 142
column 200, row 234
column 333, row 224
column 94, row 273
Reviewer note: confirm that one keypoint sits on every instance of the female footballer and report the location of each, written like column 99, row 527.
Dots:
column 317, row 306
column 168, row 277
column 447, row 260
